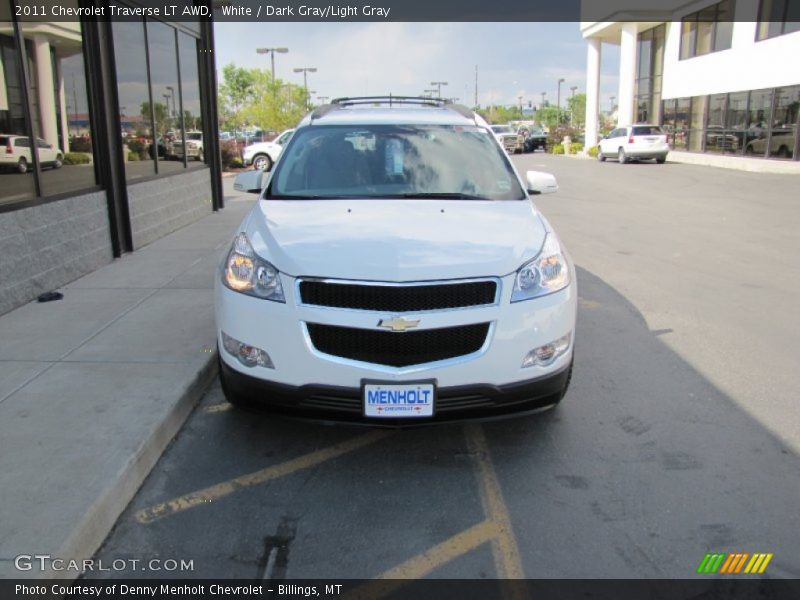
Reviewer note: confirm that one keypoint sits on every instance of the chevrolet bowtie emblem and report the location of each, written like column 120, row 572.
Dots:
column 398, row 324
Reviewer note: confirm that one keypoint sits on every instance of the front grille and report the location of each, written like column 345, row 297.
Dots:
column 353, row 403
column 398, row 349
column 398, row 298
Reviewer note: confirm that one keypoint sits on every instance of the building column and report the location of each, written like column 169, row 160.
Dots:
column 62, row 103
column 47, row 96
column 593, row 56
column 627, row 73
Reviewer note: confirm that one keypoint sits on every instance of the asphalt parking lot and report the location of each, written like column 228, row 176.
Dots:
column 679, row 435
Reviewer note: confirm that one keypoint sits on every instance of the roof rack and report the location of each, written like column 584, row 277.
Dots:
column 337, row 103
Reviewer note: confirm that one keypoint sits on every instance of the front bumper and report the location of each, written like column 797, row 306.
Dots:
column 335, row 403
column 493, row 377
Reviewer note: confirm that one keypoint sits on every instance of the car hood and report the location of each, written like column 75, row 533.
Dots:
column 262, row 146
column 395, row 240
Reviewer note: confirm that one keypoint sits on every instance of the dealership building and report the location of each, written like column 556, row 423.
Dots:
column 722, row 78
column 116, row 111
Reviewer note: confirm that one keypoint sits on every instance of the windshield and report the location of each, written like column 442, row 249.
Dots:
column 647, row 130
column 502, row 129
column 194, row 136
column 394, row 161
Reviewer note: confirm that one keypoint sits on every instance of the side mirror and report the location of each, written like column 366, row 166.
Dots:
column 541, row 183
column 250, row 181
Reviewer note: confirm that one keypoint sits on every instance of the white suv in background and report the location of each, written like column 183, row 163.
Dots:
column 634, row 142
column 395, row 271
column 194, row 146
column 262, row 155
column 15, row 152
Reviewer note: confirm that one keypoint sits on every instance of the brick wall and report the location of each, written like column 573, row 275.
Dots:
column 161, row 206
column 44, row 247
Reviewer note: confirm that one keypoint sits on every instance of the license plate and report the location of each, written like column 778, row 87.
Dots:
column 399, row 400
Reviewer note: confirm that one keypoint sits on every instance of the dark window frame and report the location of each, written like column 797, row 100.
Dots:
column 695, row 19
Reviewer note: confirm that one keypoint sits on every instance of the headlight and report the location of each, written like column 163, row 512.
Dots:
column 249, row 274
column 545, row 274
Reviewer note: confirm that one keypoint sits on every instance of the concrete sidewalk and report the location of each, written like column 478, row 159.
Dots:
column 93, row 387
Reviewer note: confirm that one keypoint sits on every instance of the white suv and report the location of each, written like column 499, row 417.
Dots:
column 634, row 142
column 262, row 155
column 15, row 152
column 395, row 271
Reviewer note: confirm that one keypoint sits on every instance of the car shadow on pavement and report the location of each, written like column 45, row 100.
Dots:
column 643, row 468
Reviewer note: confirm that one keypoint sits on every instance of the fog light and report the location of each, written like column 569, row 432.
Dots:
column 249, row 356
column 547, row 354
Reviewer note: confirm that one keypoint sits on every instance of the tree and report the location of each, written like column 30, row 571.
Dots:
column 547, row 116
column 235, row 91
column 577, row 109
column 275, row 105
column 163, row 121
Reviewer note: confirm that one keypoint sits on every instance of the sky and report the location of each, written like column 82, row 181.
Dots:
column 353, row 59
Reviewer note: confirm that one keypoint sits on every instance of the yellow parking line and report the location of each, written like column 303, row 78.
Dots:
column 423, row 564
column 504, row 544
column 220, row 490
column 217, row 408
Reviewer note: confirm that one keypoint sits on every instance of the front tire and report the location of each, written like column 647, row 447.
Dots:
column 22, row 165
column 59, row 162
column 235, row 399
column 262, row 162
column 600, row 156
column 622, row 158
column 661, row 160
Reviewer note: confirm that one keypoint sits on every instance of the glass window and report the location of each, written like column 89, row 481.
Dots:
column 705, row 30
column 168, row 146
column 723, row 26
column 758, row 114
column 190, row 95
column 136, row 123
column 60, row 103
column 716, row 138
column 17, row 182
column 784, row 122
column 688, row 34
column 736, row 121
column 394, row 161
column 777, row 17
column 708, row 30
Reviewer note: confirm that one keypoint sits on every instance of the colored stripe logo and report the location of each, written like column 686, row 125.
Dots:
column 734, row 563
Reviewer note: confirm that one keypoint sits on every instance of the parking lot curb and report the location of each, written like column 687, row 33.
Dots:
column 100, row 517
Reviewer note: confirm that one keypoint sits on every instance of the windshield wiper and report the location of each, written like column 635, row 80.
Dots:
column 440, row 195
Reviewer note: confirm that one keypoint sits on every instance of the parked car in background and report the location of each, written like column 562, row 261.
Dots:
column 262, row 155
column 780, row 145
column 194, row 146
column 16, row 153
column 510, row 140
column 640, row 141
column 534, row 138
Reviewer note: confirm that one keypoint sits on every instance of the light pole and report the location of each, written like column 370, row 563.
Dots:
column 438, row 85
column 520, row 103
column 271, row 52
column 305, row 71
column 166, row 102
column 572, row 106
column 172, row 93
column 611, row 108
column 558, row 99
column 543, row 95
